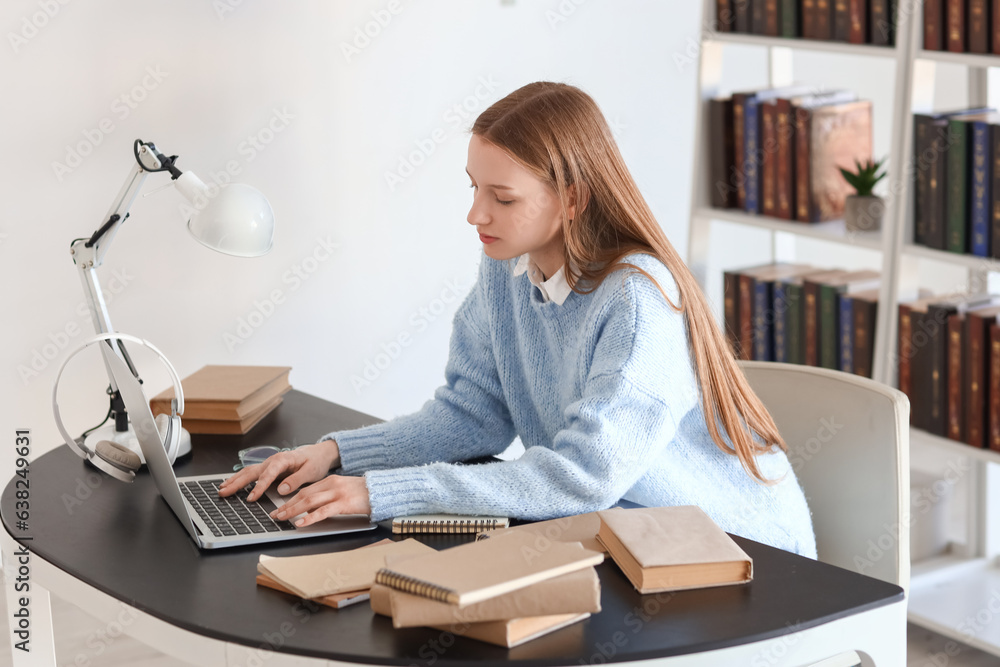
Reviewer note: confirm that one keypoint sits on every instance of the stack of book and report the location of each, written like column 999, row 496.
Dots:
column 672, row 548
column 853, row 21
column 949, row 366
column 962, row 26
column 503, row 590
column 801, row 314
column 335, row 579
column 956, row 190
column 778, row 152
column 227, row 399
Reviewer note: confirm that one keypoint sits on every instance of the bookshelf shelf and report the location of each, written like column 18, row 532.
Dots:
column 833, row 231
column 969, row 59
column 956, row 597
column 951, row 447
column 968, row 261
column 805, row 44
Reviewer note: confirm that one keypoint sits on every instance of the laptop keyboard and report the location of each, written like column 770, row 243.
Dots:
column 234, row 515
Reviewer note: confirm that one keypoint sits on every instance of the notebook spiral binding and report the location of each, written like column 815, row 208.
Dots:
column 407, row 584
column 452, row 527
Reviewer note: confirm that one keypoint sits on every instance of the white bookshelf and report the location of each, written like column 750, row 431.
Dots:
column 944, row 591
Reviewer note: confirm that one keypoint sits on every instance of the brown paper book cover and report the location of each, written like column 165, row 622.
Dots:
column 506, row 633
column 226, row 426
column 338, row 601
column 318, row 575
column 574, row 592
column 672, row 548
column 580, row 528
column 230, row 390
column 479, row 570
column 447, row 523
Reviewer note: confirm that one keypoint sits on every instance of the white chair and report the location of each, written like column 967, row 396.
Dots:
column 848, row 442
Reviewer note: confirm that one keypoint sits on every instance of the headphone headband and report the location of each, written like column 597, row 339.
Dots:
column 176, row 406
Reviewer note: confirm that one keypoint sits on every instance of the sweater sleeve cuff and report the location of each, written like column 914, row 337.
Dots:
column 399, row 492
column 360, row 449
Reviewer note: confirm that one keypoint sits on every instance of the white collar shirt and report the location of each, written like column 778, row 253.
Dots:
column 553, row 289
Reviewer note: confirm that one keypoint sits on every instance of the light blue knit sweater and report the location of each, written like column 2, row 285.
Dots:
column 603, row 394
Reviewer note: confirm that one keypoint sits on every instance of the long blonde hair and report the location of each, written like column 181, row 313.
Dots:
column 558, row 133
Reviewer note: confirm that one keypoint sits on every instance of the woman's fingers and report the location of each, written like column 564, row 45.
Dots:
column 333, row 495
column 235, row 482
column 274, row 466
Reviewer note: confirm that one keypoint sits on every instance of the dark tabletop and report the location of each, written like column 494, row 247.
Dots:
column 123, row 540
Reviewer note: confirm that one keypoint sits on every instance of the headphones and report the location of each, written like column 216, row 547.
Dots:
column 113, row 458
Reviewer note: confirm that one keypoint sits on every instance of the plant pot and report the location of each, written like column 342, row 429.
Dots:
column 863, row 214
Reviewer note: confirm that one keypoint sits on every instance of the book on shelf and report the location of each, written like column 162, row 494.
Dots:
column 580, row 528
column 847, row 21
column 789, row 334
column 994, row 391
column 506, row 633
column 828, row 137
column 829, row 329
column 226, row 399
column 955, row 25
column 672, row 548
column 721, row 160
column 934, row 25
column 979, row 26
column 934, row 136
column 859, row 313
column 319, row 575
column 760, row 311
column 576, row 592
column 447, row 523
column 882, row 23
column 976, row 377
column 824, row 19
column 485, row 568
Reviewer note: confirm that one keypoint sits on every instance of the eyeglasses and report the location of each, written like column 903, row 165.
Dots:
column 252, row 455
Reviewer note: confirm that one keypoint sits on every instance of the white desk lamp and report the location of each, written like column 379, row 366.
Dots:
column 236, row 220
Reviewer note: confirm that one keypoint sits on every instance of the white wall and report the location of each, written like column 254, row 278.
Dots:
column 346, row 120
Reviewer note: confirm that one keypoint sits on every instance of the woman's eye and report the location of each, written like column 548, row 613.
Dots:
column 505, row 203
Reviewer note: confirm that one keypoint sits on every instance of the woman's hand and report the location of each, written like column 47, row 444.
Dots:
column 306, row 464
column 337, row 494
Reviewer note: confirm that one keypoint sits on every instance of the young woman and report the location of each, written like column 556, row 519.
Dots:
column 587, row 336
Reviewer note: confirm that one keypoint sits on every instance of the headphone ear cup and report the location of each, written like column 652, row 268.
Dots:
column 118, row 461
column 170, row 431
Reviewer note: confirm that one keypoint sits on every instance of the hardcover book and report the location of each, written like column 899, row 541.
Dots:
column 672, row 548
column 976, row 373
column 827, row 138
column 226, row 392
column 505, row 633
column 573, row 593
column 483, row 569
column 319, row 575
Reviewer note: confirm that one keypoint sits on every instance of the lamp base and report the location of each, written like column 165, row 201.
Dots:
column 128, row 439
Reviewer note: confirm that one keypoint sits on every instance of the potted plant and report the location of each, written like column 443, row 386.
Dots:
column 863, row 211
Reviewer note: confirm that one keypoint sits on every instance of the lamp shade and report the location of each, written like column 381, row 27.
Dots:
column 237, row 220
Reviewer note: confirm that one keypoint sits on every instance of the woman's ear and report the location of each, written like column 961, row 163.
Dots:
column 576, row 193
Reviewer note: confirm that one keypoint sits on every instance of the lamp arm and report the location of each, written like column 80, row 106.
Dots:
column 88, row 254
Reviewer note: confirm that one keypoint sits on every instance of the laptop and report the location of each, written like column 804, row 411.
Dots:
column 213, row 522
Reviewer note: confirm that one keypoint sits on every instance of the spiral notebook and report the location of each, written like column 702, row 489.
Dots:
column 447, row 523
column 483, row 569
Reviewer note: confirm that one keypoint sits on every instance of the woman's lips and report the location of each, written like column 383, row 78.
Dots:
column 487, row 239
